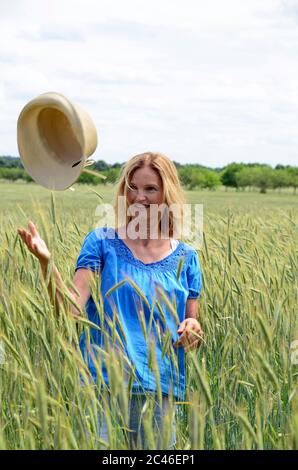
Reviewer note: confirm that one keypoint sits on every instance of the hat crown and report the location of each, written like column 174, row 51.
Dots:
column 55, row 137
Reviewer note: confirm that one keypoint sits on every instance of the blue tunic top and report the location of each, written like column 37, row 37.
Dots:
column 146, row 307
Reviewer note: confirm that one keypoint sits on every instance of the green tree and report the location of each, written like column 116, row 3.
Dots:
column 228, row 174
column 193, row 178
column 293, row 178
column 185, row 176
column 280, row 179
column 112, row 175
column 12, row 174
column 196, row 179
column 86, row 178
column 263, row 178
column 211, row 179
column 100, row 165
column 10, row 162
column 245, row 178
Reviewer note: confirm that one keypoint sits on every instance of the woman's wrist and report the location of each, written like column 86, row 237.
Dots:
column 44, row 262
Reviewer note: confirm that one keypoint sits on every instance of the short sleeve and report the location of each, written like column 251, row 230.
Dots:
column 194, row 276
column 90, row 256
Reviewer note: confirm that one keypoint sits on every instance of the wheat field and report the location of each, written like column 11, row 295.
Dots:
column 242, row 382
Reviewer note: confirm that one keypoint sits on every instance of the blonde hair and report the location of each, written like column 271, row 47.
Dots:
column 172, row 190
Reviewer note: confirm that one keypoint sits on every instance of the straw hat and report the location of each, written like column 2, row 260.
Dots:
column 55, row 138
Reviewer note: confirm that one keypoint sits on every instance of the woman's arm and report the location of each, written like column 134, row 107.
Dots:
column 82, row 278
column 82, row 281
column 192, row 309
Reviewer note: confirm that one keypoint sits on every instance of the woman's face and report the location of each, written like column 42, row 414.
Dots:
column 146, row 188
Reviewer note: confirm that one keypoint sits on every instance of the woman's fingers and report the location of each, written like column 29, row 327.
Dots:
column 22, row 231
column 196, row 344
column 194, row 340
column 26, row 237
column 190, row 338
column 182, row 326
column 182, row 341
column 32, row 228
column 178, row 343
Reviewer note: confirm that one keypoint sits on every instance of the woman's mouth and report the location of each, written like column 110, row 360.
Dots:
column 142, row 206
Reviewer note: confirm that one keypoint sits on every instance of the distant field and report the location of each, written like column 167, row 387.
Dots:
column 242, row 384
column 26, row 193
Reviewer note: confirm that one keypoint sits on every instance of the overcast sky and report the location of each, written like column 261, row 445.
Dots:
column 205, row 81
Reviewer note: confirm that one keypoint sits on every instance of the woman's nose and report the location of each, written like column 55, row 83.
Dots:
column 140, row 196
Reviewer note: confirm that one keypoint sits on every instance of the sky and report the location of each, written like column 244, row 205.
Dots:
column 206, row 82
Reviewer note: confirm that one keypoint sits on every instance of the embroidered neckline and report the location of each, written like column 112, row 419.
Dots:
column 168, row 263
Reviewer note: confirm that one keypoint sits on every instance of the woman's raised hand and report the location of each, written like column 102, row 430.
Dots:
column 34, row 242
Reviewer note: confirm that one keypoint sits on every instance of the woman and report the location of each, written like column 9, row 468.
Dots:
column 149, row 286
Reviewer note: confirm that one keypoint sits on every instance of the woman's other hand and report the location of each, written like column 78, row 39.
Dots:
column 191, row 334
column 34, row 242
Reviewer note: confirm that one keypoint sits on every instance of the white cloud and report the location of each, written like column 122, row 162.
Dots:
column 202, row 81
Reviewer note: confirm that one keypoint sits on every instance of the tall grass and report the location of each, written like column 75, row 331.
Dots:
column 241, row 384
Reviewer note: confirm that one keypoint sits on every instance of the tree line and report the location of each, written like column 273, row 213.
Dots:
column 241, row 176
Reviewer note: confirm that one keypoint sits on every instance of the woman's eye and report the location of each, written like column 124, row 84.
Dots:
column 150, row 189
